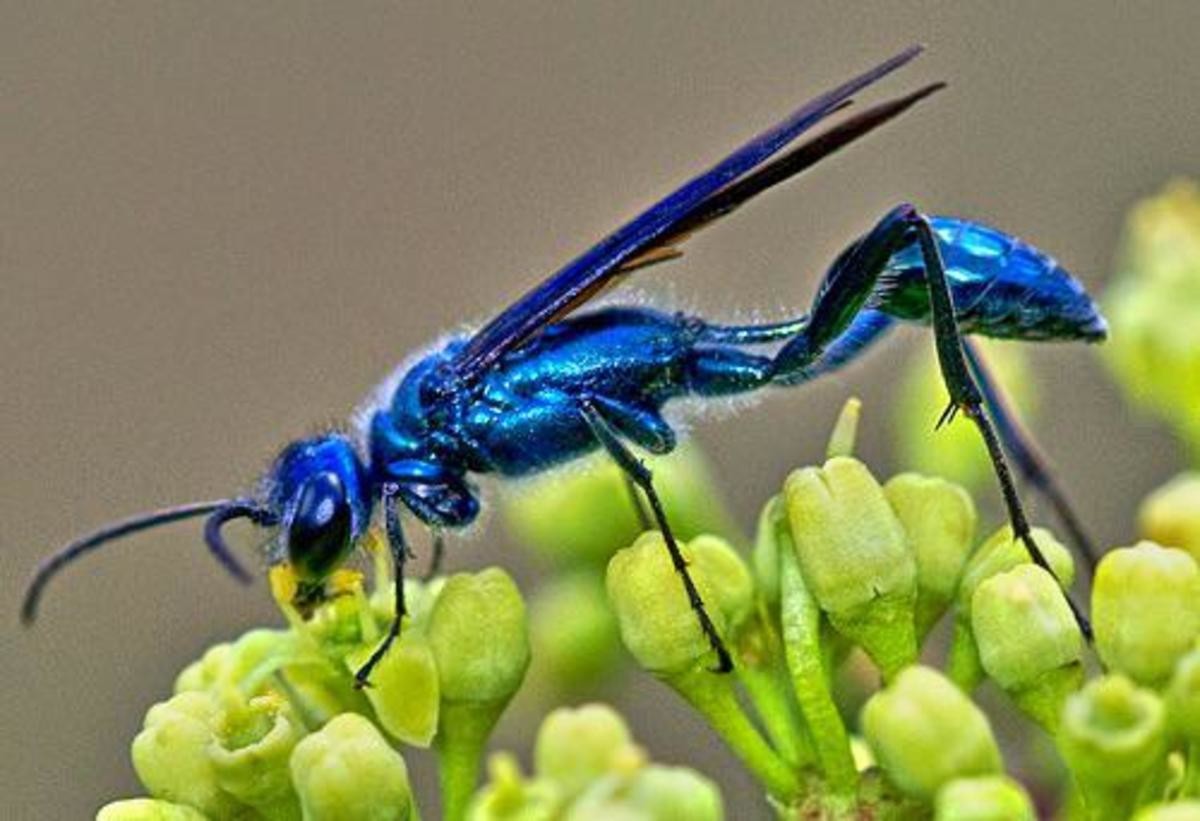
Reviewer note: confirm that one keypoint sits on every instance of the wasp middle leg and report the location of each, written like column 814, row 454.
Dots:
column 641, row 476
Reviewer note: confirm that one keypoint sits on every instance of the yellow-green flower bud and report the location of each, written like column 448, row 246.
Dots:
column 205, row 671
column 939, row 518
column 583, row 514
column 1028, row 640
column 1146, row 610
column 319, row 691
column 1112, row 731
column 605, row 807
column 850, row 545
column 340, row 624
column 676, row 792
column 508, row 796
column 576, row 747
column 1175, row 811
column 654, row 792
column 660, row 628
column 245, row 664
column 1170, row 515
column 148, row 809
column 405, row 692
column 588, row 767
column 1111, row 736
column 998, row 553
column 728, row 578
column 657, row 623
column 480, row 640
column 1183, row 698
column 479, row 637
column 1152, row 308
column 255, row 656
column 347, row 771
column 171, row 757
column 576, row 643
column 854, row 556
column 1001, row 552
column 250, row 751
column 925, row 733
column 986, row 798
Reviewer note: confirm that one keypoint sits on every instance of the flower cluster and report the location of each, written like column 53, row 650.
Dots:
column 587, row 768
column 842, row 564
column 1152, row 308
column 271, row 725
column 843, row 568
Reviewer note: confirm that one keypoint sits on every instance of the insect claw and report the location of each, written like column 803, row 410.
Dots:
column 724, row 662
column 947, row 416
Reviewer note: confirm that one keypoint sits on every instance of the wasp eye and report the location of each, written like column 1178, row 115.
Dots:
column 319, row 534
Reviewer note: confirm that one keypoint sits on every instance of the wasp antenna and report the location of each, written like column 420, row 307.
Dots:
column 227, row 512
column 57, row 561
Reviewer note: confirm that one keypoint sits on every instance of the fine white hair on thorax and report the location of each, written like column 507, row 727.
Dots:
column 665, row 298
column 380, row 396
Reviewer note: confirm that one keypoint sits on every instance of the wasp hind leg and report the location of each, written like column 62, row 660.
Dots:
column 400, row 554
column 845, row 293
column 640, row 476
column 1028, row 457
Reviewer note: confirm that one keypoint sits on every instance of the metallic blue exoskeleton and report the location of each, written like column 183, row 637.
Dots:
column 542, row 384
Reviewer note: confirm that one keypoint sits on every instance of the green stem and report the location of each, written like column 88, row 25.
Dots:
column 1157, row 785
column 801, row 619
column 1191, row 775
column 713, row 696
column 1042, row 701
column 304, row 712
column 1108, row 802
column 883, row 628
column 463, row 730
column 762, row 675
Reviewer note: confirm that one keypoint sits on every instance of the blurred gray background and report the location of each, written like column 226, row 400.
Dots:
column 221, row 223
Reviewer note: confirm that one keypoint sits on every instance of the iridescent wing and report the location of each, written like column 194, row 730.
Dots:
column 653, row 235
column 805, row 156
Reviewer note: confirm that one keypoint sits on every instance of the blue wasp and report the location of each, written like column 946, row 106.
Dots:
column 543, row 383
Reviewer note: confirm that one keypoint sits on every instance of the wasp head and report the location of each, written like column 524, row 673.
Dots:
column 319, row 492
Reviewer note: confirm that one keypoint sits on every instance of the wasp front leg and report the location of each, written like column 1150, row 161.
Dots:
column 400, row 554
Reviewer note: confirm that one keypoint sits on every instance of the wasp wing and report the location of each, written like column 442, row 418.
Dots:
column 803, row 157
column 650, row 237
column 666, row 247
